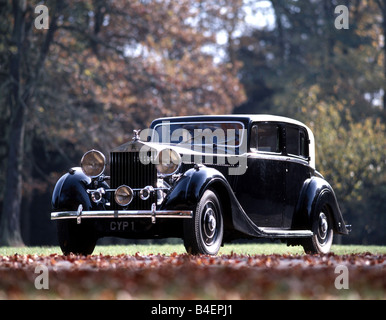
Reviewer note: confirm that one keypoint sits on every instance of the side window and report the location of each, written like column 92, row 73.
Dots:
column 303, row 144
column 296, row 142
column 292, row 139
column 265, row 137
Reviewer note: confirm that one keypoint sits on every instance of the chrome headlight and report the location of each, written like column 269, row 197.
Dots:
column 93, row 163
column 168, row 162
column 123, row 195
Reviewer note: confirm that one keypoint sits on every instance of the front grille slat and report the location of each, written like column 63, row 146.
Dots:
column 127, row 169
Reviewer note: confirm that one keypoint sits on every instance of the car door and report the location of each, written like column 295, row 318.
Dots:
column 297, row 168
column 261, row 190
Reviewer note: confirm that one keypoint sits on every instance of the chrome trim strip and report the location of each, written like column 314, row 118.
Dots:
column 283, row 233
column 123, row 214
column 134, row 189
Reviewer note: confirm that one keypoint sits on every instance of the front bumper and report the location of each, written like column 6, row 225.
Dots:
column 153, row 214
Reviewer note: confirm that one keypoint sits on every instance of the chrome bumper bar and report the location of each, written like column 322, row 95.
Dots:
column 153, row 214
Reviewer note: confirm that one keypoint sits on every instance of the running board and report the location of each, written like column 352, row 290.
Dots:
column 281, row 233
column 243, row 223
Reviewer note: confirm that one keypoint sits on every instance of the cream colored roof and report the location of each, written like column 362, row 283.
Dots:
column 259, row 118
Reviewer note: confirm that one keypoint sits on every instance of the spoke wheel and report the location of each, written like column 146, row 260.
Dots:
column 203, row 233
column 321, row 241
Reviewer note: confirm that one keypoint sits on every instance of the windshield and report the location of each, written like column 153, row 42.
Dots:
column 188, row 134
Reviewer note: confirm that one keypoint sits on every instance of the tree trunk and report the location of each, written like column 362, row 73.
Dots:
column 10, row 234
column 382, row 7
column 21, row 90
column 277, row 7
column 384, row 60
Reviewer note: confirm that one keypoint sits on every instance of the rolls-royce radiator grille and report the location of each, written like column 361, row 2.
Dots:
column 127, row 169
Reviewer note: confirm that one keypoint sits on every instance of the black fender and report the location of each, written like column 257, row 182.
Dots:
column 315, row 190
column 190, row 187
column 71, row 190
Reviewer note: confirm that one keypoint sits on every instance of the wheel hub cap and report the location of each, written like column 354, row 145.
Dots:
column 209, row 223
column 323, row 226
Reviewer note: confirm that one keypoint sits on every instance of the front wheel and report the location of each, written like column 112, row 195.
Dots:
column 323, row 234
column 203, row 234
column 76, row 238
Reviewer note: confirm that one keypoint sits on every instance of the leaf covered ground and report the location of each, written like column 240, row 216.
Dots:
column 182, row 276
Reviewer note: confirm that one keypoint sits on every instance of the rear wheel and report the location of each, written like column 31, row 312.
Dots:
column 203, row 234
column 323, row 233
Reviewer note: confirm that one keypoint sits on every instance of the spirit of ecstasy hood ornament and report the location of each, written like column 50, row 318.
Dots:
column 136, row 135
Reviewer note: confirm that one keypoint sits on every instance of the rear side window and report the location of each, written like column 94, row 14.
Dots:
column 303, row 144
column 296, row 142
column 265, row 137
column 293, row 143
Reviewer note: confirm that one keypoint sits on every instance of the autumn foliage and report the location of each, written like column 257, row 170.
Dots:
column 182, row 276
column 99, row 71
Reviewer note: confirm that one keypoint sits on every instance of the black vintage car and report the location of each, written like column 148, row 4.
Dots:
column 205, row 179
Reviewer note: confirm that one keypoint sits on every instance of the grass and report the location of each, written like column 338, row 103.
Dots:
column 167, row 249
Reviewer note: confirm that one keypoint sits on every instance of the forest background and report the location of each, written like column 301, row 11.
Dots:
column 76, row 75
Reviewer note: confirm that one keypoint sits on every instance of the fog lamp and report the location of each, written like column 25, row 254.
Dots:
column 145, row 193
column 123, row 195
column 96, row 196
